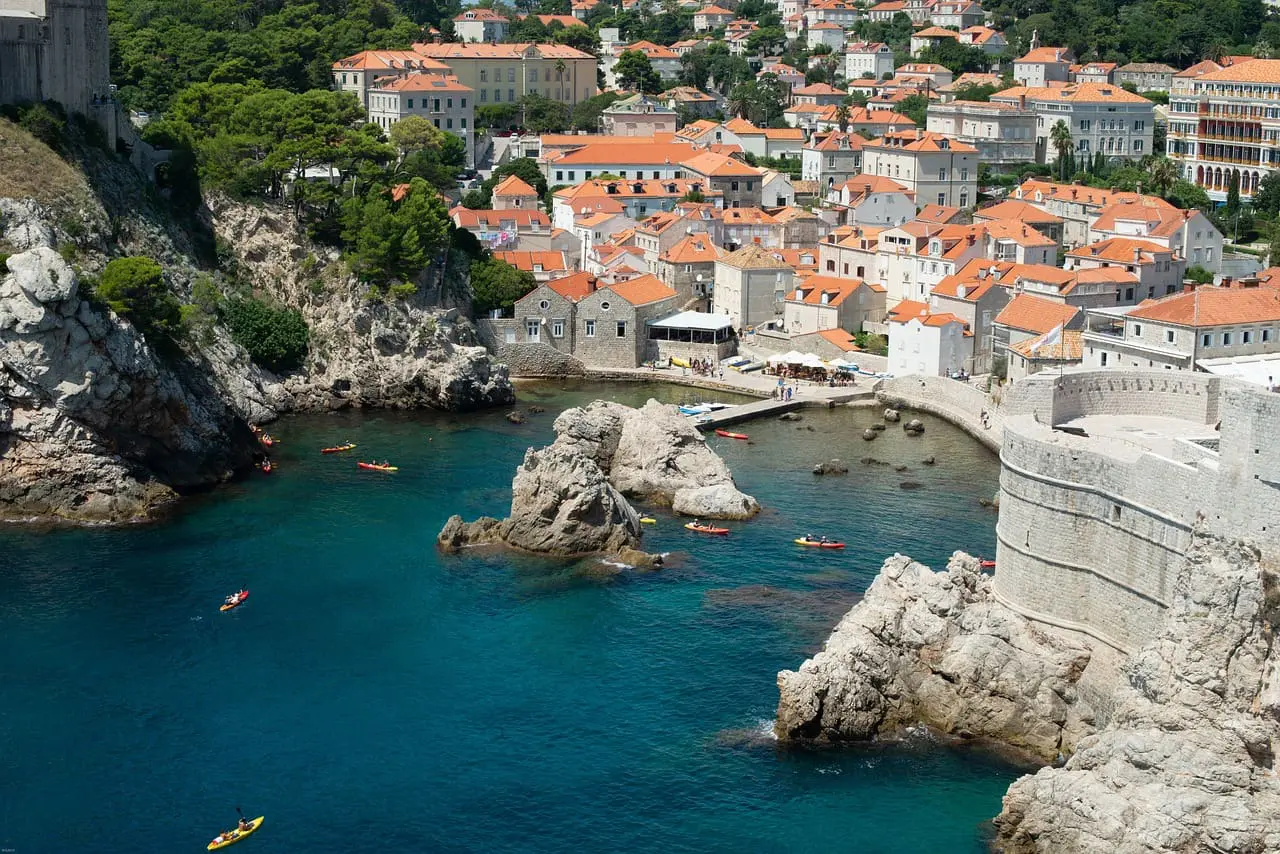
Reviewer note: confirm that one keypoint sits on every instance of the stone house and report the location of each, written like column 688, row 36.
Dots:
column 689, row 267
column 1146, row 76
column 871, row 60
column 828, row 302
column 750, row 285
column 1043, row 65
column 832, row 159
column 1062, row 350
column 483, row 26
column 639, row 116
column 514, row 194
column 739, row 183
column 976, row 296
column 610, row 325
column 1159, row 270
column 1027, row 317
column 711, row 17
column 776, row 189
column 936, row 167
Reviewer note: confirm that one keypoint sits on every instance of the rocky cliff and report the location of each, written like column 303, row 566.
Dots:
column 98, row 427
column 403, row 353
column 568, row 498
column 1171, row 750
column 93, row 426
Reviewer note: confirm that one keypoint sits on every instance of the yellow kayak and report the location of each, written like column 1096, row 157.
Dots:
column 645, row 520
column 231, row 837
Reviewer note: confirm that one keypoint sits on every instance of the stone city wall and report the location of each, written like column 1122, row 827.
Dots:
column 1089, row 541
column 960, row 403
column 539, row 360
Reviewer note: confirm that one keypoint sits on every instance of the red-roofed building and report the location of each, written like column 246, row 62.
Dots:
column 1189, row 232
column 481, row 25
column 940, row 170
column 498, row 229
column 1004, row 134
column 1159, row 270
column 609, row 326
column 544, row 265
column 1041, row 66
column 689, row 266
column 830, row 302
column 711, row 17
column 926, row 343
column 512, row 192
column 357, row 73
column 868, row 61
column 738, row 182
column 832, row 159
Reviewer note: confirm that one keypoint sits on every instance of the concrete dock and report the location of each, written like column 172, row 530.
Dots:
column 774, row 408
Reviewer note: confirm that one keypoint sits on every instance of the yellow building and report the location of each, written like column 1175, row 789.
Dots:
column 505, row 73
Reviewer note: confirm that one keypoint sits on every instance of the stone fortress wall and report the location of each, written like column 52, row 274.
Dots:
column 58, row 50
column 1093, row 529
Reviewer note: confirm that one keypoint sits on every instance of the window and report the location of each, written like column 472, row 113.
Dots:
column 463, row 104
column 448, row 103
column 532, row 328
column 1084, row 124
column 942, row 198
column 1128, row 294
column 464, row 123
column 448, row 123
column 942, row 174
column 1169, row 336
column 1226, row 339
column 484, row 96
column 497, row 95
column 749, row 186
column 1206, row 340
column 559, row 174
column 1137, row 145
column 622, row 329
column 484, row 76
column 411, row 103
column 557, row 329
column 1140, row 125
column 435, row 105
column 964, row 199
column 1137, row 330
column 436, row 122
column 734, row 186
column 1246, row 337
column 964, row 175
column 591, row 329
column 544, row 304
column 1266, row 335
column 511, row 76
column 605, row 306
column 511, row 95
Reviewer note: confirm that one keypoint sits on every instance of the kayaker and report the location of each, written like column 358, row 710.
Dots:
column 244, row 823
column 824, row 540
column 697, row 523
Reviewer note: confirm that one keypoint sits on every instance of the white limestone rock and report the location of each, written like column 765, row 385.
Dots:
column 937, row 648
column 1186, row 762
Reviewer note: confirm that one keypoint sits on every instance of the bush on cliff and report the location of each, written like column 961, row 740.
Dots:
column 496, row 284
column 275, row 338
column 134, row 288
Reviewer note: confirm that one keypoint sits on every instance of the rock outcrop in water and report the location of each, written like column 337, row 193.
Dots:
column 561, row 504
column 655, row 454
column 1171, row 750
column 936, row 648
column 93, row 426
column 567, row 499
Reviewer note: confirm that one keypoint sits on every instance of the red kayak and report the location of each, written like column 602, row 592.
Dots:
column 237, row 600
column 266, row 467
column 376, row 467
column 728, row 435
column 266, row 439
column 818, row 544
column 987, row 564
column 706, row 529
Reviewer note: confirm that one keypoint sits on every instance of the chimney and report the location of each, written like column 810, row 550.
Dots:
column 1137, row 256
column 592, row 283
column 1187, row 287
column 972, row 239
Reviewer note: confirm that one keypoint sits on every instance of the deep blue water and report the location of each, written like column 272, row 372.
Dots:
column 376, row 696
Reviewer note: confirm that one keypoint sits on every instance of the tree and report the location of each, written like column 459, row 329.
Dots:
column 496, row 284
column 1273, row 246
column 1060, row 138
column 959, row 58
column 634, row 71
column 842, row 116
column 393, row 241
column 1188, row 196
column 916, row 108
column 1163, row 172
column 274, row 338
column 975, row 92
column 1199, row 275
column 1266, row 199
column 761, row 102
column 496, row 115
column 134, row 288
column 586, row 114
column 543, row 115
column 1233, row 195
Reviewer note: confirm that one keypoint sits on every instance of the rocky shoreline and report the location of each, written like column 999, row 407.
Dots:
column 571, row 498
column 1169, row 750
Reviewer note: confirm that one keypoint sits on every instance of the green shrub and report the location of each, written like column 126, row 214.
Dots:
column 45, row 124
column 275, row 338
column 404, row 290
column 134, row 288
column 4, row 258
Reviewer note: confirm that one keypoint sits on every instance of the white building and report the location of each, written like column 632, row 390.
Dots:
column 1178, row 331
column 443, row 100
column 939, row 170
column 832, row 159
column 868, row 59
column 1004, row 134
column 926, row 343
column 1042, row 66
column 750, row 285
column 825, row 33
column 1189, row 233
column 1101, row 118
column 480, row 25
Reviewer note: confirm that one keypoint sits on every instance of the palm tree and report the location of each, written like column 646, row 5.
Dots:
column 842, row 116
column 1163, row 173
column 560, row 69
column 1060, row 137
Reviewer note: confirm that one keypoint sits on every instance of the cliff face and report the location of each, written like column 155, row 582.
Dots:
column 1181, row 760
column 403, row 354
column 93, row 426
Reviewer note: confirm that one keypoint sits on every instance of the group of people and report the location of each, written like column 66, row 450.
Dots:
column 810, row 538
column 705, row 368
column 236, row 598
column 783, row 392
column 243, row 827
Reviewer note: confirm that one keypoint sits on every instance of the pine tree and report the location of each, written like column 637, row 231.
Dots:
column 1233, row 195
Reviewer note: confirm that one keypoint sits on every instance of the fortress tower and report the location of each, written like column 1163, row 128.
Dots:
column 57, row 50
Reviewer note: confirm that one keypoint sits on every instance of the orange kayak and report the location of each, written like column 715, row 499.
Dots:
column 376, row 467
column 240, row 599
column 728, row 435
column 706, row 529
column 339, row 449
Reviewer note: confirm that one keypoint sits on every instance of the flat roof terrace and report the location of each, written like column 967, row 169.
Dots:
column 1128, row 437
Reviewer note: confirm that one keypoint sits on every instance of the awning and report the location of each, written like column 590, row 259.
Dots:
column 699, row 320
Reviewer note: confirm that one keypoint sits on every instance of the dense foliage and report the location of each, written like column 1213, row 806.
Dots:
column 524, row 168
column 497, row 285
column 134, row 288
column 275, row 338
column 392, row 240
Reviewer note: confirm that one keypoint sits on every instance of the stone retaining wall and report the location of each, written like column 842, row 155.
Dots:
column 960, row 403
column 539, row 360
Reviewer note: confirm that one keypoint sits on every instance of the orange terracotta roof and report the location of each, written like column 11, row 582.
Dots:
column 920, row 140
column 1082, row 93
column 575, row 287
column 840, row 338
column 713, row 10
column 692, row 249
column 937, row 33
column 636, row 153
column 753, row 257
column 1046, row 55
column 833, row 288
column 1252, row 71
column 818, row 89
column 937, row 213
column 549, row 261
column 717, row 165
column 907, row 309
column 467, row 218
column 478, row 14
column 653, row 51
column 1209, row 306
column 1016, row 209
column 1029, row 313
column 642, row 290
column 566, row 20
column 515, row 50
column 389, row 60
column 1069, row 348
column 513, row 186
column 419, row 82
column 1123, row 250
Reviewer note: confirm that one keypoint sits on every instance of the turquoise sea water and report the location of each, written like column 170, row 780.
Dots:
column 376, row 696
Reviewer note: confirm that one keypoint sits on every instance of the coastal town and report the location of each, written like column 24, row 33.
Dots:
column 1051, row 237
